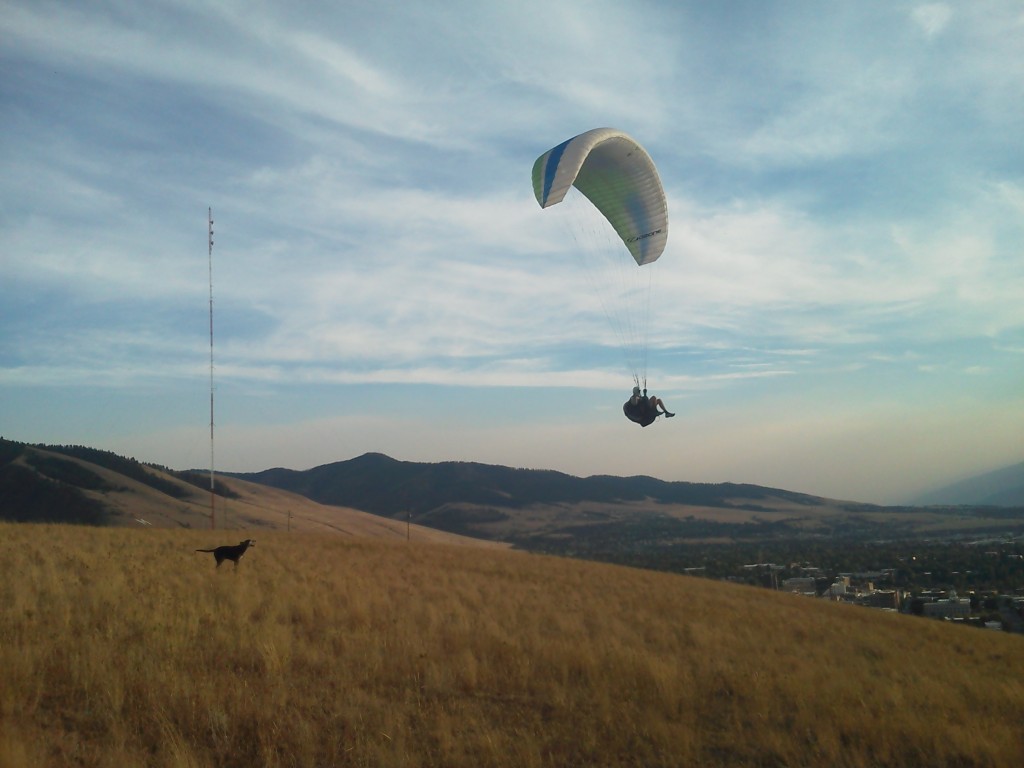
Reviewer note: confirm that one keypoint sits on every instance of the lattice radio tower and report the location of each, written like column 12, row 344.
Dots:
column 209, row 216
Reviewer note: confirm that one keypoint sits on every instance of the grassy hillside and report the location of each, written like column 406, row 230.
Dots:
column 75, row 484
column 124, row 647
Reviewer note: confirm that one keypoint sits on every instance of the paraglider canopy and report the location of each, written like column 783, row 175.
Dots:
column 615, row 173
column 613, row 206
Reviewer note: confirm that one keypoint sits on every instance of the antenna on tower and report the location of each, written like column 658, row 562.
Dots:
column 209, row 216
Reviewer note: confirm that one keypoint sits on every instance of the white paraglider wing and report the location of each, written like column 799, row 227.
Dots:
column 618, row 177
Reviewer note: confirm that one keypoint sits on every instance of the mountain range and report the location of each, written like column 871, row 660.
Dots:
column 1001, row 488
column 552, row 511
column 539, row 510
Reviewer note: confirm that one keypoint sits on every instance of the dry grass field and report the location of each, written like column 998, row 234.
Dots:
column 124, row 647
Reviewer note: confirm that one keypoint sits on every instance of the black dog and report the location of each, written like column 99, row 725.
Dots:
column 230, row 553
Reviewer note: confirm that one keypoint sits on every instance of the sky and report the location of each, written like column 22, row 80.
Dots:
column 839, row 309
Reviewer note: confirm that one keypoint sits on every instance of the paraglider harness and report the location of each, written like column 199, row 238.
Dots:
column 638, row 408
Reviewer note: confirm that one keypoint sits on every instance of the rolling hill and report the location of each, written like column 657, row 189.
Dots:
column 77, row 484
column 539, row 509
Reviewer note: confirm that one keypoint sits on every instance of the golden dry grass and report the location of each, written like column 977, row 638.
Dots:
column 123, row 647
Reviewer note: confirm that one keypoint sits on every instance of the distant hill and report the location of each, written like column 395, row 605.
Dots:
column 386, row 486
column 77, row 484
column 552, row 511
column 599, row 517
column 1001, row 488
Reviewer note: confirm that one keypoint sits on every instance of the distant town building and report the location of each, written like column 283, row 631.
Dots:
column 880, row 598
column 839, row 588
column 952, row 607
column 799, row 584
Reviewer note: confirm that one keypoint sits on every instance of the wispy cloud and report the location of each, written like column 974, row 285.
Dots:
column 932, row 17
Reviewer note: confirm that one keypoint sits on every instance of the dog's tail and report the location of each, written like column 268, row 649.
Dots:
column 204, row 550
